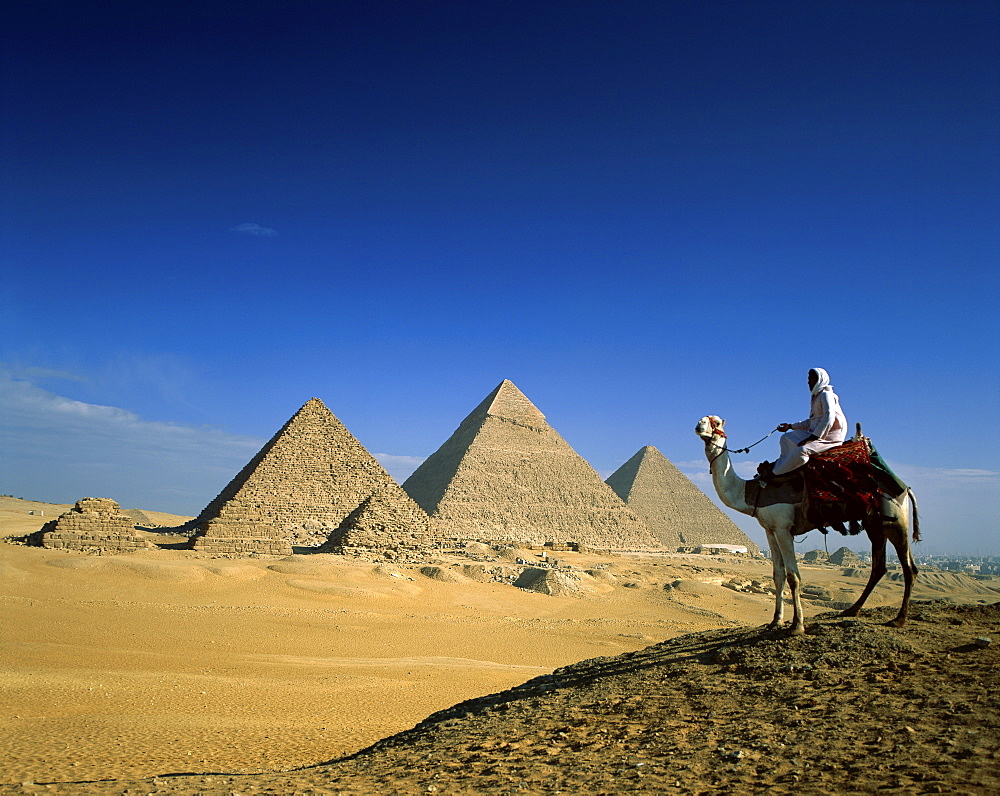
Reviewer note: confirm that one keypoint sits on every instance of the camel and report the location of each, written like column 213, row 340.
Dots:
column 779, row 522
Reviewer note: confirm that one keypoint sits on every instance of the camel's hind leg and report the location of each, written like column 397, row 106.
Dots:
column 896, row 530
column 877, row 535
column 875, row 528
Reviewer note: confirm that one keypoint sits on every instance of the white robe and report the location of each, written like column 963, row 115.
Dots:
column 826, row 422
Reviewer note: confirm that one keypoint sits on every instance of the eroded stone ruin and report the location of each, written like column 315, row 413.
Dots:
column 313, row 484
column 506, row 475
column 92, row 525
column 676, row 511
column 845, row 557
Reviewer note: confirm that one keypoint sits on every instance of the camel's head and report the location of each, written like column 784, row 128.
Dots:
column 710, row 427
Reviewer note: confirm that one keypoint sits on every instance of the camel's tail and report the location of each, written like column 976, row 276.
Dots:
column 916, row 515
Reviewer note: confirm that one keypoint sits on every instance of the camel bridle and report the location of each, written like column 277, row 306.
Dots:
column 716, row 431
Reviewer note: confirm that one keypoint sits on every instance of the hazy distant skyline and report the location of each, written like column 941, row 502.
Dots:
column 639, row 212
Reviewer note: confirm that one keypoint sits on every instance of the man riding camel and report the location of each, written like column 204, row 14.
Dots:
column 826, row 428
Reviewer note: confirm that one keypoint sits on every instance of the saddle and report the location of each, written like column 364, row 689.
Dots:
column 840, row 488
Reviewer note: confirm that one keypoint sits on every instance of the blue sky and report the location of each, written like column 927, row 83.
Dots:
column 639, row 212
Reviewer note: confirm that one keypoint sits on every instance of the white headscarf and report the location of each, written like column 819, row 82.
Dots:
column 822, row 380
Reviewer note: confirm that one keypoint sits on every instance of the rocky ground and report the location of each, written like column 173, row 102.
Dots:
column 853, row 706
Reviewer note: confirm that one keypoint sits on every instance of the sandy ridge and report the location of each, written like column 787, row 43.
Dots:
column 853, row 707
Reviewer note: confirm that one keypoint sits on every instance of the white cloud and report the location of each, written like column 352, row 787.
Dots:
column 959, row 508
column 38, row 374
column 969, row 475
column 58, row 449
column 256, row 230
column 399, row 467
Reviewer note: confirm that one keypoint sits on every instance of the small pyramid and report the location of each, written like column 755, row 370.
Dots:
column 386, row 519
column 312, row 473
column 139, row 517
column 845, row 557
column 677, row 512
column 92, row 525
column 507, row 475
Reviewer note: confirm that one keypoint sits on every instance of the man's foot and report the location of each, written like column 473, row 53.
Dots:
column 765, row 474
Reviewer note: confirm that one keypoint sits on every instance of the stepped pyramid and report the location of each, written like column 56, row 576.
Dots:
column 506, row 475
column 313, row 474
column 677, row 512
column 92, row 524
column 845, row 557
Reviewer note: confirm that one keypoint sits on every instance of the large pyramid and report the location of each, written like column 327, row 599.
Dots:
column 313, row 474
column 505, row 474
column 677, row 512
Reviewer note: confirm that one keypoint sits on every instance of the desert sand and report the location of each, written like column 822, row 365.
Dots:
column 118, row 669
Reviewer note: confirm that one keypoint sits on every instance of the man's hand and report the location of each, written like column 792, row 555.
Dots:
column 784, row 427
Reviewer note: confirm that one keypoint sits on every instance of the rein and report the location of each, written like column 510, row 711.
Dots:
column 748, row 447
column 723, row 448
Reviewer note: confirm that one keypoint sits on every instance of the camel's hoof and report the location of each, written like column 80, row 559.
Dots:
column 897, row 622
column 796, row 631
column 851, row 612
column 772, row 626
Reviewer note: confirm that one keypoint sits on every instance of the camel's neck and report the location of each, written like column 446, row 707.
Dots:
column 729, row 485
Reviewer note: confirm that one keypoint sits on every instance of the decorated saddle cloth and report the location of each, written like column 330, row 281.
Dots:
column 841, row 485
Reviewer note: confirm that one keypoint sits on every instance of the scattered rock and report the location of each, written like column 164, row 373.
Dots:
column 443, row 574
column 479, row 551
column 557, row 583
column 811, row 592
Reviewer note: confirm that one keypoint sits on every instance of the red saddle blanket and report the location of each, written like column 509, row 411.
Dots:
column 840, row 484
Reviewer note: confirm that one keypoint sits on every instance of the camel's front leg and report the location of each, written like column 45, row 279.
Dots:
column 778, row 570
column 786, row 546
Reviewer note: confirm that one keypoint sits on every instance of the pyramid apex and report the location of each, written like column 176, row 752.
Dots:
column 313, row 405
column 509, row 403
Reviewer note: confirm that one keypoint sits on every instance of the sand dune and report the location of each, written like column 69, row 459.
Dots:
column 128, row 666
